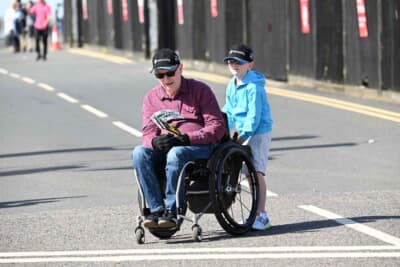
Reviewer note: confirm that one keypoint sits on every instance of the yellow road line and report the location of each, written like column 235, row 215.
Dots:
column 93, row 54
column 326, row 101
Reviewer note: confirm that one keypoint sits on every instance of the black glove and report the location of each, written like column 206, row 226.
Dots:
column 165, row 142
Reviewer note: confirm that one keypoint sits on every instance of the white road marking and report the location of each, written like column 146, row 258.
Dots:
column 68, row 98
column 353, row 225
column 201, row 254
column 185, row 250
column 3, row 71
column 271, row 194
column 245, row 183
column 127, row 128
column 46, row 87
column 95, row 111
column 28, row 80
column 14, row 75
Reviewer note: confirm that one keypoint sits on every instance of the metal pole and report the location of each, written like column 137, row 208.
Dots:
column 146, row 29
column 380, row 50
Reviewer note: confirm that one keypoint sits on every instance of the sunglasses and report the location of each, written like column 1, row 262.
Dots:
column 234, row 62
column 162, row 75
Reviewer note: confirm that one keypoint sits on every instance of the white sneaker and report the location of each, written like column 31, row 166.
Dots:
column 262, row 222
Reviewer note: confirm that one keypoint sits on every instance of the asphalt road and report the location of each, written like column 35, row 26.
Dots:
column 68, row 196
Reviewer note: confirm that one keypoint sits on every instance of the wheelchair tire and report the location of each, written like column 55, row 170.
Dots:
column 236, row 194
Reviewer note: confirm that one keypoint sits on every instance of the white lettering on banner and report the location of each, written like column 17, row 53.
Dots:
column 85, row 13
column 140, row 4
column 125, row 13
column 214, row 8
column 180, row 12
column 362, row 19
column 109, row 7
column 305, row 16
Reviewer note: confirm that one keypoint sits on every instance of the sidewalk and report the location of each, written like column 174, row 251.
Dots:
column 294, row 82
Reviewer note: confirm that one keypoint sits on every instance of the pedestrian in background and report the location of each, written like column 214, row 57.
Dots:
column 30, row 20
column 23, row 13
column 42, row 13
column 13, row 29
column 249, row 118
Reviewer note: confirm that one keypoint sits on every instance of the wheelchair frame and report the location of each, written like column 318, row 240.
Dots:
column 223, row 172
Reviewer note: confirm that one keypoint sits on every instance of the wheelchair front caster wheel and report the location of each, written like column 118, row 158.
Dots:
column 196, row 233
column 139, row 233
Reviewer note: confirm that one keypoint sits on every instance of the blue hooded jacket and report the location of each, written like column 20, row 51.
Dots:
column 247, row 106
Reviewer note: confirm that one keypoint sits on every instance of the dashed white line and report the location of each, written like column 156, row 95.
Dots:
column 353, row 225
column 14, row 75
column 95, row 111
column 28, row 80
column 3, row 71
column 68, row 98
column 46, row 87
column 127, row 128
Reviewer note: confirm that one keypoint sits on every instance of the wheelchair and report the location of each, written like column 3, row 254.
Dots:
column 225, row 184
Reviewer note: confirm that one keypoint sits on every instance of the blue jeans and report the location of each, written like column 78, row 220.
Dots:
column 146, row 161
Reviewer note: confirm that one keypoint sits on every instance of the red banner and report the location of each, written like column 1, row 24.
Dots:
column 180, row 12
column 85, row 14
column 214, row 8
column 125, row 13
column 109, row 7
column 140, row 5
column 362, row 19
column 305, row 16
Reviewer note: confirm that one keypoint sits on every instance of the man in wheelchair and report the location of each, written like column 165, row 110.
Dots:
column 181, row 122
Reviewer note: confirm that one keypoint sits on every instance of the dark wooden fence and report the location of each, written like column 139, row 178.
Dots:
column 330, row 49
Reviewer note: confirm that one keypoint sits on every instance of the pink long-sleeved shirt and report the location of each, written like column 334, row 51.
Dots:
column 41, row 12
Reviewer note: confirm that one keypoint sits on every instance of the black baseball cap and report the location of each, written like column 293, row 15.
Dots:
column 165, row 59
column 241, row 53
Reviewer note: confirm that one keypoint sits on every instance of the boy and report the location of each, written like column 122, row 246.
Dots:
column 249, row 117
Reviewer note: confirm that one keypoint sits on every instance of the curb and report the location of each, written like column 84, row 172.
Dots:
column 361, row 92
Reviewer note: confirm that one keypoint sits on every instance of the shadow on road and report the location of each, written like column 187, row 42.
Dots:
column 296, row 137
column 38, row 170
column 70, row 150
column 30, row 202
column 301, row 227
column 313, row 226
column 313, row 146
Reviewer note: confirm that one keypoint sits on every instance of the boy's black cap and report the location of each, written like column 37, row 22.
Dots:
column 241, row 53
column 165, row 59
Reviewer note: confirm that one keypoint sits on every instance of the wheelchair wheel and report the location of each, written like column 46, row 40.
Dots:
column 139, row 234
column 236, row 189
column 196, row 233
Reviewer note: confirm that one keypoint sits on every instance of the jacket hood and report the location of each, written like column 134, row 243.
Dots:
column 254, row 77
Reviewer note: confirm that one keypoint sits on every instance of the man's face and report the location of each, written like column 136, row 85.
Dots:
column 170, row 80
column 237, row 69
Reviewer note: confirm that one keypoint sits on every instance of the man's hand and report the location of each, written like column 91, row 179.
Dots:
column 165, row 142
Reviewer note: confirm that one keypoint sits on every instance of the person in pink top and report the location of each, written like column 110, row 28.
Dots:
column 42, row 13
